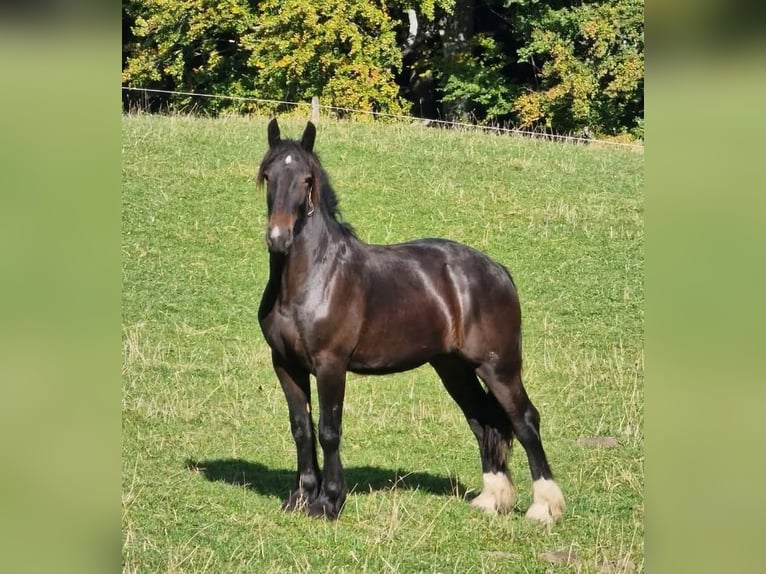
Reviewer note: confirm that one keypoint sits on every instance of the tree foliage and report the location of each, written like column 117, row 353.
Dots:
column 559, row 65
column 344, row 51
column 476, row 82
column 191, row 45
column 589, row 64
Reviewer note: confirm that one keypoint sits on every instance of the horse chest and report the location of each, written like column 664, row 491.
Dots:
column 287, row 329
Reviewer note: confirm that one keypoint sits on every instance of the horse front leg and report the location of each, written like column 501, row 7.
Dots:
column 297, row 388
column 331, row 387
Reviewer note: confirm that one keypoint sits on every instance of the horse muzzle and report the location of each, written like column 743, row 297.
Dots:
column 279, row 239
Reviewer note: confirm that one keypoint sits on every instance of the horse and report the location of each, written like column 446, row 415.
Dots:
column 334, row 304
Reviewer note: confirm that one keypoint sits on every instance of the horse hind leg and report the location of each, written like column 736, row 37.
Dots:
column 547, row 499
column 490, row 426
column 498, row 493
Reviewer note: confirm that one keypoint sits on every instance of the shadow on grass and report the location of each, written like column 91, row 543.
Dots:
column 361, row 479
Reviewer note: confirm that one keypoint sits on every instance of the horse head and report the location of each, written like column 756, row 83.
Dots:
column 289, row 172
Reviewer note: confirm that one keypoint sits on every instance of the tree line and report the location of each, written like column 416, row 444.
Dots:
column 562, row 66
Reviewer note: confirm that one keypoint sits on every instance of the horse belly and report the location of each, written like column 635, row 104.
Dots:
column 401, row 341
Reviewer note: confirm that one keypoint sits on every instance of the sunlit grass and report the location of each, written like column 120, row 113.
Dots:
column 567, row 220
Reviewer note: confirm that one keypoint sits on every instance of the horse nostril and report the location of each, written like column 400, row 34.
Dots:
column 287, row 239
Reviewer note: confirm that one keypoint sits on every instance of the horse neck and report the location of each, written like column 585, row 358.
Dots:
column 312, row 249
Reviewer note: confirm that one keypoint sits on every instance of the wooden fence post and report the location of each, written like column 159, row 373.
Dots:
column 315, row 109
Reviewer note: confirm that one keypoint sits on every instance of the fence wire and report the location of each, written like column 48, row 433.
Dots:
column 428, row 121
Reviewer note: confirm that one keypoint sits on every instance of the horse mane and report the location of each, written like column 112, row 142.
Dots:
column 327, row 196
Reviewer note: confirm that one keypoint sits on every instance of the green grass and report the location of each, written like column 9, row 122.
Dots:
column 207, row 452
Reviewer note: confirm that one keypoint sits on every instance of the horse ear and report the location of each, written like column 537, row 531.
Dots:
column 273, row 132
column 309, row 135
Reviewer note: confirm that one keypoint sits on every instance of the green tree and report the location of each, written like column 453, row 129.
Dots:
column 191, row 45
column 341, row 50
column 475, row 85
column 559, row 65
column 589, row 65
column 344, row 51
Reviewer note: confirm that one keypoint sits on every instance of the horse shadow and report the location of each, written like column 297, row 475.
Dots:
column 360, row 479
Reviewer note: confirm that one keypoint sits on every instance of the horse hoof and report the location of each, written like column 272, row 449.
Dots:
column 484, row 502
column 498, row 494
column 547, row 502
column 324, row 508
column 296, row 502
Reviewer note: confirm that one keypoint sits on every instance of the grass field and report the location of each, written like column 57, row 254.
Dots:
column 207, row 451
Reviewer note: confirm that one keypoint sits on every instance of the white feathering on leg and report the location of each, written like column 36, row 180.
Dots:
column 497, row 494
column 547, row 502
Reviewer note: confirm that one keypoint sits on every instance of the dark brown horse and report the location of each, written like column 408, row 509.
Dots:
column 334, row 304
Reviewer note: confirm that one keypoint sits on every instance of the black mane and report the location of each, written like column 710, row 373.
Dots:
column 329, row 200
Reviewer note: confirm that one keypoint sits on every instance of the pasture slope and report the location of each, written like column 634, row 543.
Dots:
column 207, row 451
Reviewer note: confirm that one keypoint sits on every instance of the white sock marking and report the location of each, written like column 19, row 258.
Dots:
column 497, row 495
column 547, row 501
